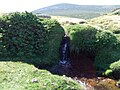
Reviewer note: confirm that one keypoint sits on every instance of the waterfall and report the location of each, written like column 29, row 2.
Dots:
column 64, row 54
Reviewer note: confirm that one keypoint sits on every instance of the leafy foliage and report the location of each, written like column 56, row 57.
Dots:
column 54, row 35
column 105, row 57
column 24, row 35
column 82, row 37
column 106, row 39
column 88, row 38
column 115, row 67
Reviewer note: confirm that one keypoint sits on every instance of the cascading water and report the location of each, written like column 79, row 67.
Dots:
column 63, row 67
column 64, row 56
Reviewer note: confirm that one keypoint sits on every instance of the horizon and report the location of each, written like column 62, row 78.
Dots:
column 7, row 6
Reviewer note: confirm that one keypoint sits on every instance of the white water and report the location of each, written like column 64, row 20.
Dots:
column 64, row 52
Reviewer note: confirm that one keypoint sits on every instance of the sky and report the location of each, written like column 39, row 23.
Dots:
column 30, row 5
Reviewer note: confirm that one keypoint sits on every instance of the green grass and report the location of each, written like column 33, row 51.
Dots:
column 19, row 76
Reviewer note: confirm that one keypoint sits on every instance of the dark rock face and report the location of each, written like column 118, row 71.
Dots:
column 62, row 69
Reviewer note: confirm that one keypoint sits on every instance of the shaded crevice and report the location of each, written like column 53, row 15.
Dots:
column 82, row 65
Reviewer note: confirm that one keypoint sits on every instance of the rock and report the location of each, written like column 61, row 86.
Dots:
column 45, row 84
column 34, row 80
column 118, row 84
column 62, row 69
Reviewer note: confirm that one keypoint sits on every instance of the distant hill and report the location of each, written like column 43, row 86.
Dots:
column 76, row 11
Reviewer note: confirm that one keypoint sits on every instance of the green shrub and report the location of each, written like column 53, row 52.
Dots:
column 24, row 35
column 82, row 37
column 54, row 37
column 90, row 39
column 115, row 67
column 106, row 39
column 105, row 57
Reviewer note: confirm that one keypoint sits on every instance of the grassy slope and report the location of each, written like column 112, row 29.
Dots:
column 19, row 76
column 107, row 22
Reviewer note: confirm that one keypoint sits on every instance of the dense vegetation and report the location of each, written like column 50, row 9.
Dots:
column 23, row 35
column 27, row 38
column 115, row 67
column 107, row 59
column 21, row 76
column 90, row 39
column 103, row 45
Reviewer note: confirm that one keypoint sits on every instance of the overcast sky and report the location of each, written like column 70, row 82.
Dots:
column 30, row 5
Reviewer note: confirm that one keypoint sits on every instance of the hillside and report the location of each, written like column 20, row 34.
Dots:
column 107, row 22
column 76, row 11
column 22, row 76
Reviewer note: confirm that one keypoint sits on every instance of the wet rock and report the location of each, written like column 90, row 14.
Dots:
column 62, row 69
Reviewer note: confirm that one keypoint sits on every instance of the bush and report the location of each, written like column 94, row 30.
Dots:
column 54, row 37
column 90, row 39
column 105, row 57
column 115, row 67
column 106, row 39
column 24, row 35
column 82, row 37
